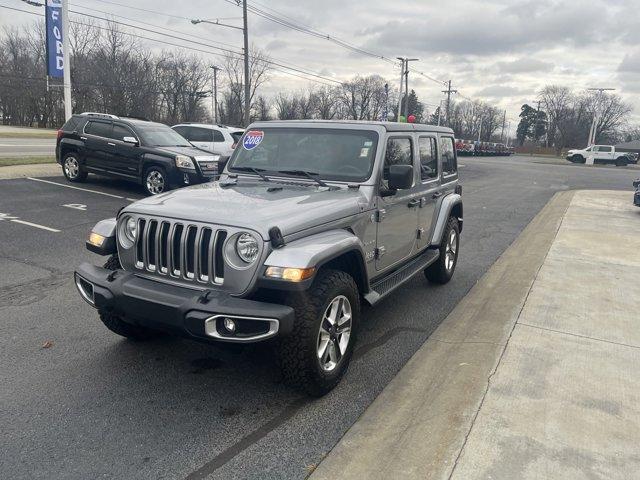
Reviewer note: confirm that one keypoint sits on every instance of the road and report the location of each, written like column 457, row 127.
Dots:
column 27, row 147
column 79, row 402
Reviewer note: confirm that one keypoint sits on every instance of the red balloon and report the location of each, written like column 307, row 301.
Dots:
column 411, row 119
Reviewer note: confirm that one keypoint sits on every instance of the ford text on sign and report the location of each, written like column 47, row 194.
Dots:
column 55, row 57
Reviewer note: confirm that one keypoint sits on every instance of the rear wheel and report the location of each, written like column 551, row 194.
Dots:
column 316, row 355
column 442, row 269
column 621, row 162
column 71, row 168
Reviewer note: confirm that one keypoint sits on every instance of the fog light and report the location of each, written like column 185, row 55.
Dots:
column 229, row 325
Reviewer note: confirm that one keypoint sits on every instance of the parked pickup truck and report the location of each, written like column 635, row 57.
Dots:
column 308, row 220
column 602, row 154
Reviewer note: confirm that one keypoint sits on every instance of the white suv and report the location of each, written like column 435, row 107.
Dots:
column 218, row 139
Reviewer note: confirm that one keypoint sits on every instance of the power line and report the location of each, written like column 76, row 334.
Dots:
column 287, row 67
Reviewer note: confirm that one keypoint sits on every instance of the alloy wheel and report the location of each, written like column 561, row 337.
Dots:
column 450, row 250
column 71, row 167
column 155, row 182
column 335, row 333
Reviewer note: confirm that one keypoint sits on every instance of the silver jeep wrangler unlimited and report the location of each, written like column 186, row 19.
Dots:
column 308, row 220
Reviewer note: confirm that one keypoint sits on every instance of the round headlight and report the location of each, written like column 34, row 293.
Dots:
column 247, row 247
column 131, row 229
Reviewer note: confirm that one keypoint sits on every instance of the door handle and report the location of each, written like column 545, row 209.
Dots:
column 413, row 203
column 111, row 144
column 436, row 195
column 83, row 138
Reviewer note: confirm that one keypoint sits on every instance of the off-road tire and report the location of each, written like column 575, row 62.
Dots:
column 114, row 322
column 297, row 352
column 133, row 332
column 81, row 175
column 113, row 263
column 438, row 272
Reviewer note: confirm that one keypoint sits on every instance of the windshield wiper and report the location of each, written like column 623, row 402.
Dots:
column 257, row 171
column 306, row 173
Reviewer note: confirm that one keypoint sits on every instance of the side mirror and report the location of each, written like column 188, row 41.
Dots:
column 400, row 177
column 131, row 140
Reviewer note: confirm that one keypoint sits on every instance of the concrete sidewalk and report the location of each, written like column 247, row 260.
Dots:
column 535, row 374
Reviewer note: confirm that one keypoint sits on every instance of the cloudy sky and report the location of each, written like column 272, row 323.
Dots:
column 502, row 52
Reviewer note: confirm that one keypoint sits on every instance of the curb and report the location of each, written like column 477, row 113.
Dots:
column 418, row 425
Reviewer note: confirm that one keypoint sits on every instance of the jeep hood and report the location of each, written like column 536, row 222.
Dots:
column 257, row 206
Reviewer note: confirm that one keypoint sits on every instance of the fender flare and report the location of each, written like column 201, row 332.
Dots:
column 107, row 229
column 447, row 205
column 318, row 249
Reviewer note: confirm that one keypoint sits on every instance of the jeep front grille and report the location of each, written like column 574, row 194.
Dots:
column 180, row 251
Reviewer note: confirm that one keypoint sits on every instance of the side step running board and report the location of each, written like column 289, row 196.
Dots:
column 384, row 286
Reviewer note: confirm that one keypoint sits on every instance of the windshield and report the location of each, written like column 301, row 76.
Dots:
column 158, row 135
column 330, row 154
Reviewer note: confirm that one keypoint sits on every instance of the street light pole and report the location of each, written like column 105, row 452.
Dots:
column 596, row 115
column 247, row 78
column 214, row 97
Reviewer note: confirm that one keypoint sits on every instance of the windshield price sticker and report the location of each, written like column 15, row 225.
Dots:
column 252, row 139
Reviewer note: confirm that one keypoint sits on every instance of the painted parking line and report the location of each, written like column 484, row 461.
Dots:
column 42, row 227
column 79, row 188
column 14, row 219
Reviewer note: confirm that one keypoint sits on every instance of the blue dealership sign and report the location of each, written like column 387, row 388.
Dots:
column 53, row 23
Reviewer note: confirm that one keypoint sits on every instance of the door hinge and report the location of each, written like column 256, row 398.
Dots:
column 380, row 251
column 380, row 214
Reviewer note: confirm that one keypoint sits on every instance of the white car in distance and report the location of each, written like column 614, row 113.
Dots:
column 218, row 139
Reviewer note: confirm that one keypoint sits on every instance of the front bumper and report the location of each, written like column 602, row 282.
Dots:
column 181, row 311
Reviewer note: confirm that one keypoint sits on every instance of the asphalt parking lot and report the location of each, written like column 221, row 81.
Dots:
column 79, row 402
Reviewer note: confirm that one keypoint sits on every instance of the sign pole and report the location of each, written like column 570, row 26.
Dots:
column 67, row 60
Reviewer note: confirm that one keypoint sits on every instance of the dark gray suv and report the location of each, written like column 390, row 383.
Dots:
column 309, row 220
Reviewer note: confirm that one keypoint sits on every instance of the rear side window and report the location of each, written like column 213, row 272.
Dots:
column 101, row 129
column 399, row 152
column 428, row 158
column 195, row 134
column 71, row 124
column 448, row 155
column 218, row 136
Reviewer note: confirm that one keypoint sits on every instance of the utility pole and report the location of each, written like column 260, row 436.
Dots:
column 214, row 92
column 401, row 80
column 448, row 91
column 504, row 121
column 66, row 53
column 406, row 85
column 247, row 77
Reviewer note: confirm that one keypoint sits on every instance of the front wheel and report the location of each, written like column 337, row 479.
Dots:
column 155, row 180
column 316, row 355
column 442, row 269
column 578, row 159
